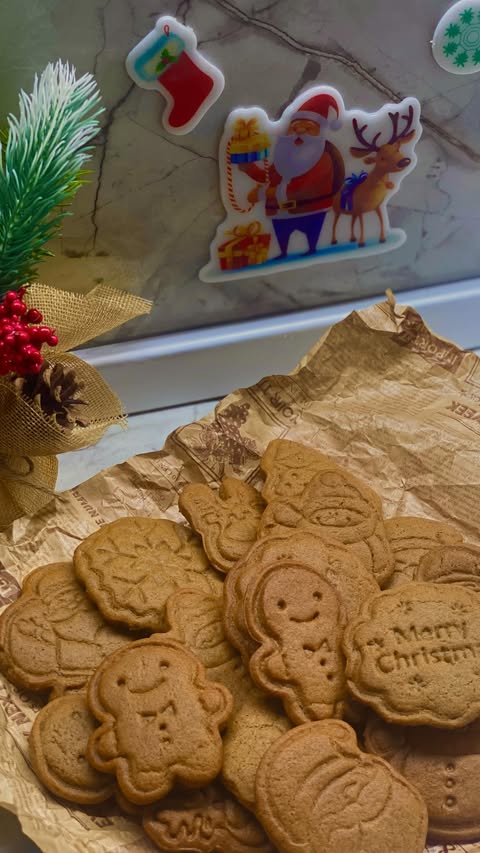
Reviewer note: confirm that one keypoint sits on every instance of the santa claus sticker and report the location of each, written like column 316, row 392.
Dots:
column 312, row 187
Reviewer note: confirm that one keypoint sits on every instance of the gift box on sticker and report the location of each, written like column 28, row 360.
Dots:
column 248, row 246
column 248, row 143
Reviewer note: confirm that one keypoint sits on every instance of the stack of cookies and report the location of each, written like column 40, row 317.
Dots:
column 291, row 672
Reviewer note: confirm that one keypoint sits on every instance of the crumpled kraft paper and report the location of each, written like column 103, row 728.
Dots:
column 380, row 393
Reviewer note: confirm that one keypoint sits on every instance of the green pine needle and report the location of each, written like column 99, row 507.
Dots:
column 41, row 166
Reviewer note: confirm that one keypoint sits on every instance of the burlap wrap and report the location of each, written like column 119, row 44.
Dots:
column 30, row 440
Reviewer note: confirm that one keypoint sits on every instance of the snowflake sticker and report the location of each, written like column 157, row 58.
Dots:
column 456, row 42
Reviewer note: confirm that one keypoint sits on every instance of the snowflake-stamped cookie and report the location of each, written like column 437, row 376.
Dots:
column 456, row 41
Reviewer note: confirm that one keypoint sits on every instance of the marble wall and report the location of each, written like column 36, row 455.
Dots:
column 146, row 220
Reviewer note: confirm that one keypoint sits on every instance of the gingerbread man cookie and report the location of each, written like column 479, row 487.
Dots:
column 160, row 719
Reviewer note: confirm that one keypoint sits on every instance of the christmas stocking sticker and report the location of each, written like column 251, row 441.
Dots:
column 311, row 187
column 167, row 59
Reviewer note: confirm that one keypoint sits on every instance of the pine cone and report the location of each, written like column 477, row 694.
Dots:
column 55, row 390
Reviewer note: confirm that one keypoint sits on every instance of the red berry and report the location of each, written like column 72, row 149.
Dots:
column 33, row 316
column 11, row 296
column 44, row 333
column 23, row 337
column 18, row 308
column 52, row 341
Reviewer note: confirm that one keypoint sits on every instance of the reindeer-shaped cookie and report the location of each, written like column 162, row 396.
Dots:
column 368, row 192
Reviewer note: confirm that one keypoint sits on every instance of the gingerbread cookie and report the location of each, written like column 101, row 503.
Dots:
column 454, row 564
column 410, row 538
column 131, row 566
column 52, row 637
column 413, row 655
column 318, row 793
column 296, row 607
column 331, row 501
column 305, row 548
column 58, row 744
column 160, row 719
column 227, row 522
column 443, row 766
column 205, row 821
column 195, row 619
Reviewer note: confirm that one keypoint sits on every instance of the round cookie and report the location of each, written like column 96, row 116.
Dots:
column 410, row 539
column 131, row 566
column 413, row 655
column 205, row 821
column 53, row 637
column 227, row 521
column 58, row 745
column 318, row 793
column 160, row 719
column 443, row 766
column 455, row 564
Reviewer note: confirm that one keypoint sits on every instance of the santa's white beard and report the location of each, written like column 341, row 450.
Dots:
column 291, row 160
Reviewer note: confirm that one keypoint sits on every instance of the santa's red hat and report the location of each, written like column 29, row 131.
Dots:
column 319, row 107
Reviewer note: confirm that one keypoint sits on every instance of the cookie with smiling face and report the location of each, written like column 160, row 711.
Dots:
column 297, row 603
column 307, row 490
column 160, row 719
column 227, row 522
column 300, row 547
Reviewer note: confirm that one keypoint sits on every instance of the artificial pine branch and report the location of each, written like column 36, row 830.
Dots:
column 41, row 166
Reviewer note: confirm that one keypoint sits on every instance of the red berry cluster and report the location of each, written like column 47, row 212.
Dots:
column 21, row 336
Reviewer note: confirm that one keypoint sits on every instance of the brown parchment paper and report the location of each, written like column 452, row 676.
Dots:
column 379, row 392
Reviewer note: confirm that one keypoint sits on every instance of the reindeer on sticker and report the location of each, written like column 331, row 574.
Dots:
column 366, row 192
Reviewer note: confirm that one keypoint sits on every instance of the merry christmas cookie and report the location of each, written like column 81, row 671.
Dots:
column 443, row 766
column 307, row 490
column 205, row 821
column 318, row 793
column 413, row 655
column 454, row 564
column 131, row 566
column 53, row 637
column 227, row 522
column 296, row 607
column 160, row 719
column 411, row 538
column 195, row 619
column 58, row 745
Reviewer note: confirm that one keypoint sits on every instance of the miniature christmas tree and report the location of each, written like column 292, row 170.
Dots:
column 41, row 167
